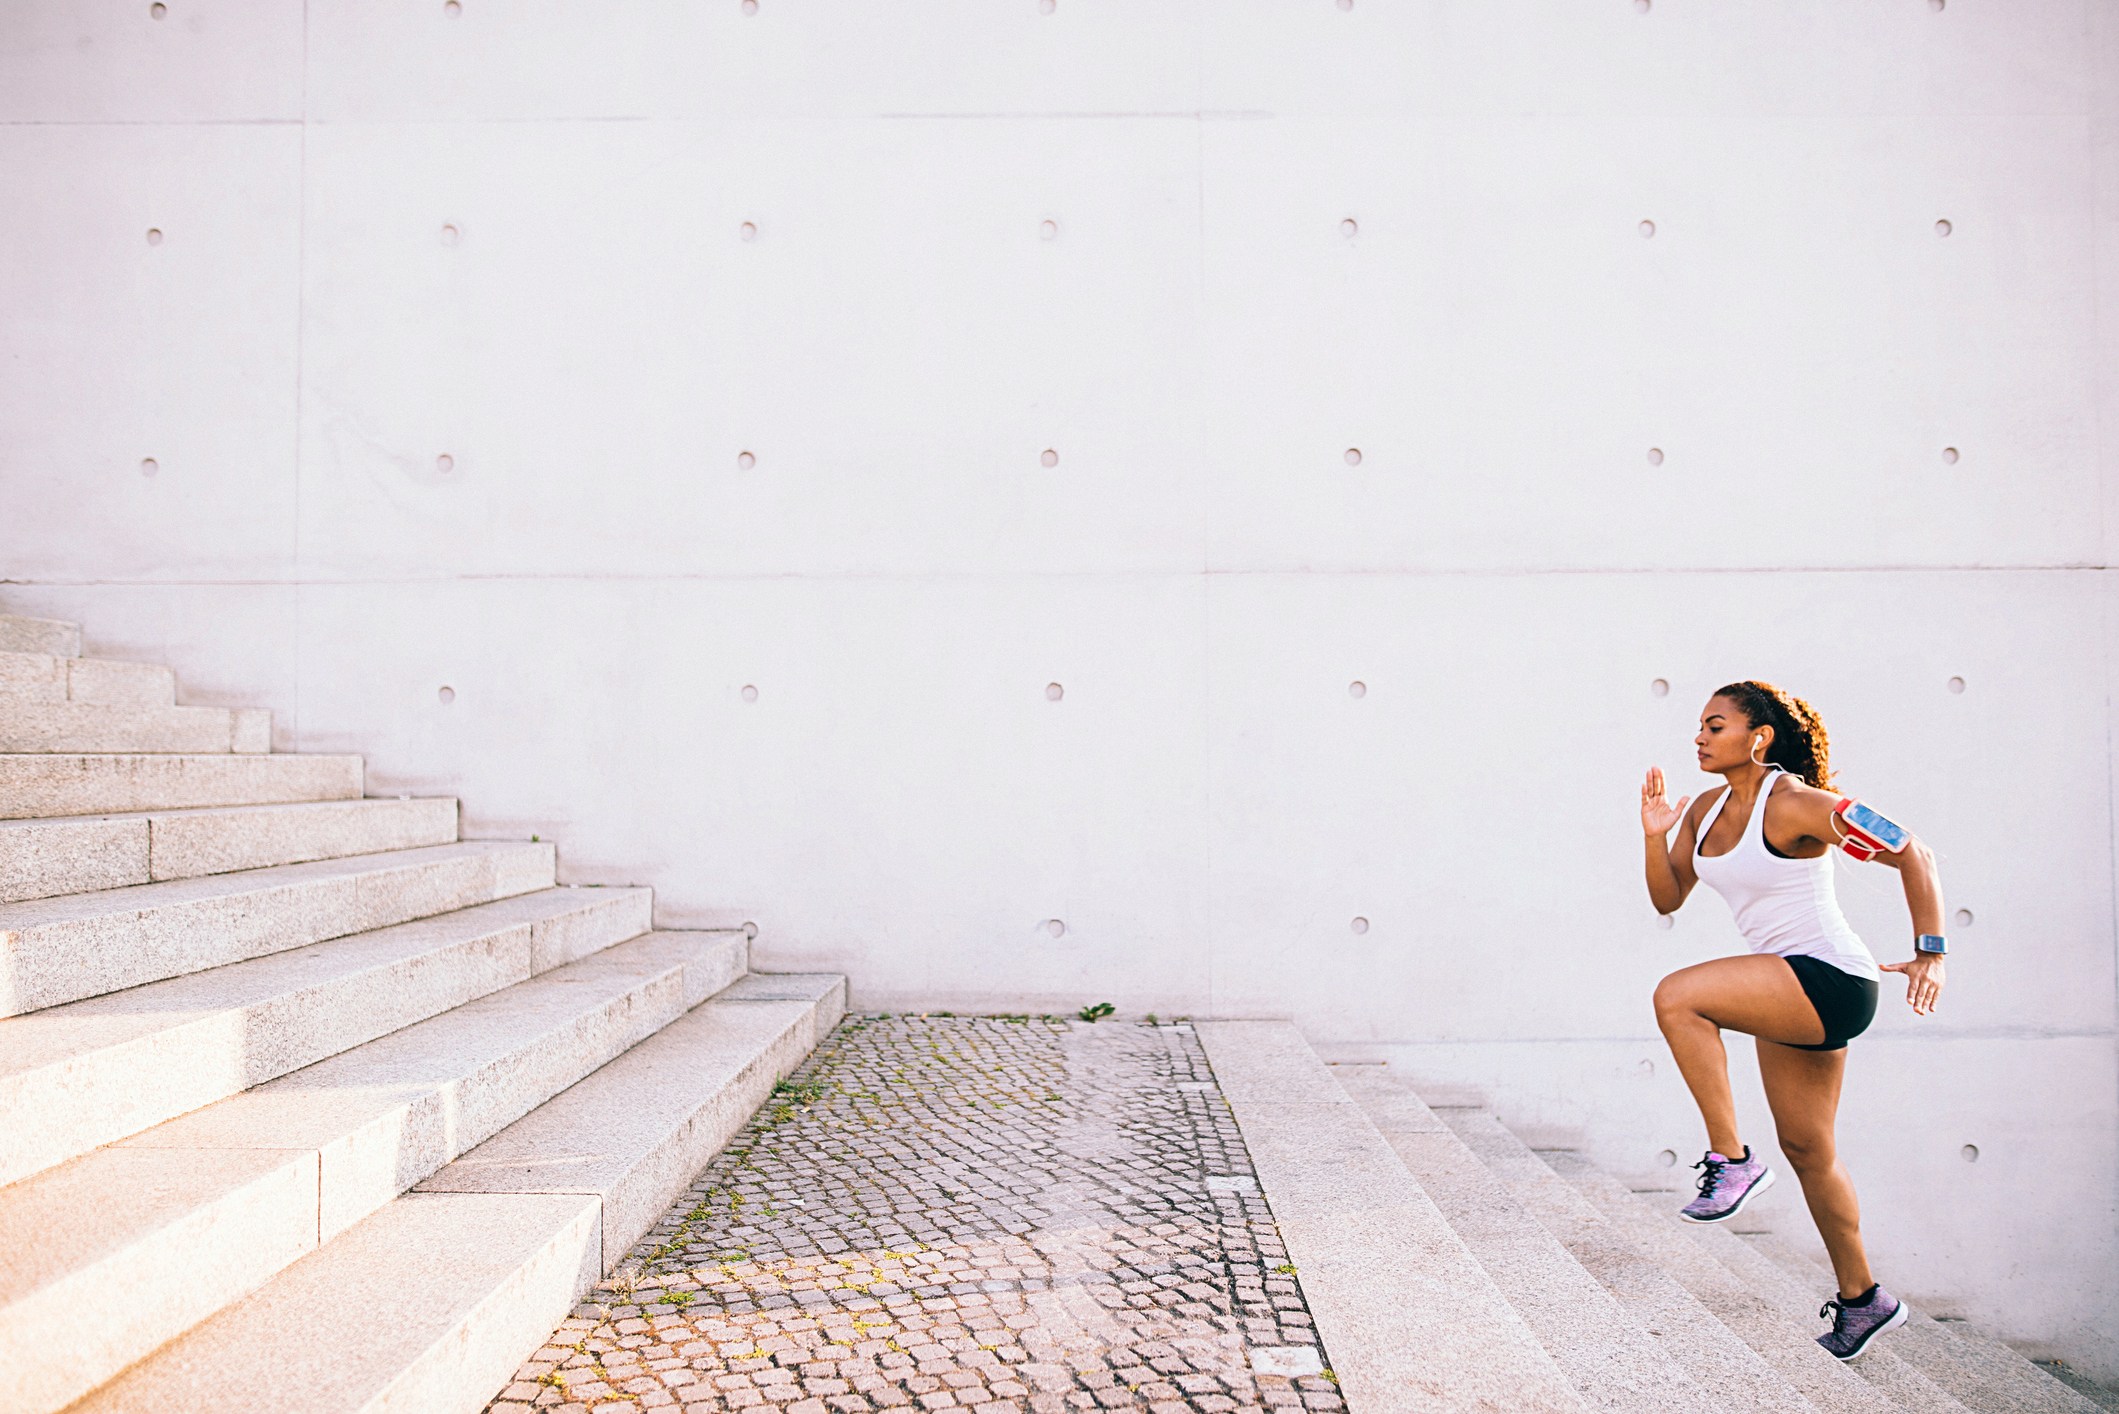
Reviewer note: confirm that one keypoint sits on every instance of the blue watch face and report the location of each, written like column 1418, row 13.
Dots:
column 1931, row 943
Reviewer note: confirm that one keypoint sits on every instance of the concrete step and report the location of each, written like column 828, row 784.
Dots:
column 425, row 1308
column 1798, row 1301
column 83, row 945
column 44, row 677
column 76, row 854
column 78, row 727
column 1983, row 1374
column 1411, row 1318
column 21, row 635
column 77, row 1076
column 1612, row 1362
column 1787, row 1344
column 1693, row 1336
column 39, row 785
column 198, row 1212
column 637, row 1132
column 483, row 1261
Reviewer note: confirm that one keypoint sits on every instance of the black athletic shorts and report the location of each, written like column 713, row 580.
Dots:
column 1844, row 1002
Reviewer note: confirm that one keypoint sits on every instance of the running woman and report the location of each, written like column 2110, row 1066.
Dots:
column 1764, row 842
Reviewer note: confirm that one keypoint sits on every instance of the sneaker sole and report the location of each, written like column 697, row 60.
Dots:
column 1896, row 1319
column 1765, row 1181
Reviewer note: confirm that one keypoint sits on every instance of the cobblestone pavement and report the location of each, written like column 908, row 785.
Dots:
column 1000, row 1213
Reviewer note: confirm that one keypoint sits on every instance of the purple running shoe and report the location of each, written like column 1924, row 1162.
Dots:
column 1856, row 1323
column 1726, row 1186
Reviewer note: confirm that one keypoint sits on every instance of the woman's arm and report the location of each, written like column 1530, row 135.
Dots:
column 1924, row 974
column 1670, row 876
column 1810, row 811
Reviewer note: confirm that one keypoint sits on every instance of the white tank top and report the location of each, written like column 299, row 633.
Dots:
column 1782, row 905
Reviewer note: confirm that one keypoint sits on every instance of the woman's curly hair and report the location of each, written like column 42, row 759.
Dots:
column 1800, row 745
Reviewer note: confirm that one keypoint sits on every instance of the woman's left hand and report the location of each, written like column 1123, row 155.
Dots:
column 1924, row 980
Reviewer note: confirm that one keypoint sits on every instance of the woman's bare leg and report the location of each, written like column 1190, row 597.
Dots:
column 1802, row 1088
column 1756, row 994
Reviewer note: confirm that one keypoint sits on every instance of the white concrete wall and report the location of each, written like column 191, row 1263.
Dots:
column 1207, row 808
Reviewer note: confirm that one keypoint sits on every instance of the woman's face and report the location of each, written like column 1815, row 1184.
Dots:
column 1727, row 740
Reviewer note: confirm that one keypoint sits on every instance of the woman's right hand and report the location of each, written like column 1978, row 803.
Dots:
column 1657, row 813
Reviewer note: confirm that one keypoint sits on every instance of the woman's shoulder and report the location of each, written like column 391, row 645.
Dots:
column 1793, row 788
column 1705, row 802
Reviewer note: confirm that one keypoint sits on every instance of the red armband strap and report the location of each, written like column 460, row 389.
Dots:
column 1866, row 832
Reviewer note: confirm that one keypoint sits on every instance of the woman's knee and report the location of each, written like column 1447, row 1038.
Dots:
column 1809, row 1153
column 1673, row 1001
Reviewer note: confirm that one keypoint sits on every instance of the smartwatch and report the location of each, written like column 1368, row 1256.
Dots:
column 1933, row 943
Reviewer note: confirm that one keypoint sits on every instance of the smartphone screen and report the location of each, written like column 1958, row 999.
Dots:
column 1893, row 835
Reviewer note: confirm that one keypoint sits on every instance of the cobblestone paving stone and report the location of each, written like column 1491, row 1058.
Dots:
column 935, row 1212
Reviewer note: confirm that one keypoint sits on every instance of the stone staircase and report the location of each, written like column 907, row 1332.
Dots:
column 1587, row 1293
column 305, row 1101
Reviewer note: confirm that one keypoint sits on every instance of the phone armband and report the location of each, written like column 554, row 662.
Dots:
column 1865, row 832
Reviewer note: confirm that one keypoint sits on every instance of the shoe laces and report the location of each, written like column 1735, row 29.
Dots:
column 1712, row 1179
column 1836, row 1309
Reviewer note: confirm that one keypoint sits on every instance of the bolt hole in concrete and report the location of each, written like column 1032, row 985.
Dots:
column 447, row 695
column 1655, row 456
column 1969, row 1153
column 450, row 235
column 1643, row 6
column 149, row 466
column 1659, row 688
column 750, row 7
column 1949, row 456
column 1359, row 925
column 445, row 463
column 157, row 10
column 1054, row 692
column 1048, row 457
column 1647, row 1066
column 154, row 235
column 750, row 693
column 1964, row 917
column 750, row 930
column 1942, row 228
column 1357, row 689
column 1349, row 228
column 452, row 8
column 1055, row 927
column 746, row 460
column 1353, row 456
column 1955, row 684
column 1047, row 229
column 1046, row 7
column 1647, row 230
column 1665, row 922
column 748, row 230
column 1668, row 1158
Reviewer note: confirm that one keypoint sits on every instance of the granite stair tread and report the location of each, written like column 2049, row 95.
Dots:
column 36, row 785
column 467, row 1274
column 68, row 854
column 1789, row 1345
column 21, row 634
column 1411, row 1317
column 1982, row 1373
column 92, row 1072
column 1612, row 1362
column 57, row 950
column 47, row 677
column 28, row 726
column 289, row 1165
